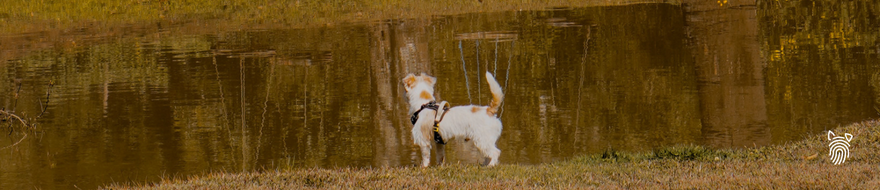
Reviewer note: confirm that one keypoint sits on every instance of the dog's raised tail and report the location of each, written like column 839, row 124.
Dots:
column 497, row 94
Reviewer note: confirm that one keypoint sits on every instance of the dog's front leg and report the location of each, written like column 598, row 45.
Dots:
column 441, row 153
column 426, row 155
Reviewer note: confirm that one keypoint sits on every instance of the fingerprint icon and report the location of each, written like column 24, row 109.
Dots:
column 839, row 147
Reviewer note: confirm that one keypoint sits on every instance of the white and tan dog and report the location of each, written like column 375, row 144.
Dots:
column 471, row 122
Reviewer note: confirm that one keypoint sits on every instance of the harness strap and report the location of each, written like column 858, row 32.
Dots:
column 415, row 116
column 441, row 110
column 442, row 107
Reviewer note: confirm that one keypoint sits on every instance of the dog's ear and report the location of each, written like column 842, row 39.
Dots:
column 429, row 79
column 831, row 135
column 848, row 136
column 409, row 81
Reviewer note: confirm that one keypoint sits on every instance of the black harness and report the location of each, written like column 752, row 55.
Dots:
column 434, row 106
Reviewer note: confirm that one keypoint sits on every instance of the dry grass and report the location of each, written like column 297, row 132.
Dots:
column 798, row 165
column 27, row 25
column 48, row 15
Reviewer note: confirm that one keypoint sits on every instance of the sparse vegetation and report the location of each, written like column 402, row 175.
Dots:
column 31, row 16
column 798, row 165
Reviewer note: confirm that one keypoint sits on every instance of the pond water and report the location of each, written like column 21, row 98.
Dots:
column 139, row 104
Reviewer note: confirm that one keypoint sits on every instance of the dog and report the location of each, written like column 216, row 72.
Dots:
column 431, row 122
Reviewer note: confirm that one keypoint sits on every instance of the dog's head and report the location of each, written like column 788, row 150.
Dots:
column 419, row 87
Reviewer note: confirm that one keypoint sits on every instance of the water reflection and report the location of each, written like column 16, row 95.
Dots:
column 584, row 80
column 822, row 65
column 730, row 76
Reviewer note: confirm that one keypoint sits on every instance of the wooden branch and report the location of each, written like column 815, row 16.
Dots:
column 42, row 107
column 10, row 115
column 24, row 122
column 16, row 143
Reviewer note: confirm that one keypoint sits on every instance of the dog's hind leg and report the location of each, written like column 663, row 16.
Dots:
column 489, row 150
column 493, row 154
column 486, row 142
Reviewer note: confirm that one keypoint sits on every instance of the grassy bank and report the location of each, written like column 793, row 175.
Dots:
column 42, row 15
column 797, row 165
